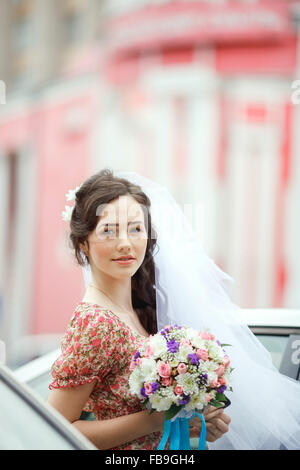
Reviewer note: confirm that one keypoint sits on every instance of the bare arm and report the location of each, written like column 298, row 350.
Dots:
column 107, row 433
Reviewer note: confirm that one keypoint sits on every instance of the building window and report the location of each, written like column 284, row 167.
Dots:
column 72, row 27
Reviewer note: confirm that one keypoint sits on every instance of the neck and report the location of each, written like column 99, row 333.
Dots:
column 118, row 291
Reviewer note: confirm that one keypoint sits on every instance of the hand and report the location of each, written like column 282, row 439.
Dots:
column 216, row 421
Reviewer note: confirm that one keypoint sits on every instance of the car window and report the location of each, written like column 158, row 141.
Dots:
column 276, row 345
column 40, row 384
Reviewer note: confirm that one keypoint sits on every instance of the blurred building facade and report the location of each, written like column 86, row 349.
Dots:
column 194, row 94
column 38, row 38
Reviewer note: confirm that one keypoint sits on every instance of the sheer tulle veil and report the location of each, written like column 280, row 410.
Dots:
column 191, row 290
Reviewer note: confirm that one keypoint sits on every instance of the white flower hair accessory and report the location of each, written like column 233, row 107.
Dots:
column 70, row 196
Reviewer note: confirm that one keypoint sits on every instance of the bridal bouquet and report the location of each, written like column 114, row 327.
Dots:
column 180, row 371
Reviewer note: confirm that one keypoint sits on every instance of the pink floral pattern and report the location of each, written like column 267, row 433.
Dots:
column 98, row 346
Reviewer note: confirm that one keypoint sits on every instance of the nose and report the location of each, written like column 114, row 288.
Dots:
column 124, row 244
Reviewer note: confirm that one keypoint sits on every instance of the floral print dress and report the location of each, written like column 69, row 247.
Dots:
column 98, row 346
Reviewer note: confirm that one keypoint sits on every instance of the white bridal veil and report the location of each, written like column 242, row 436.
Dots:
column 191, row 290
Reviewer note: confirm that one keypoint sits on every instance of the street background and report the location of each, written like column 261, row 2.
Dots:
column 201, row 96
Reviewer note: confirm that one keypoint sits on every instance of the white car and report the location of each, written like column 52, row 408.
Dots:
column 27, row 422
column 279, row 332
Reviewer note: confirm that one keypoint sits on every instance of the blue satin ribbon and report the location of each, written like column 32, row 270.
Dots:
column 179, row 434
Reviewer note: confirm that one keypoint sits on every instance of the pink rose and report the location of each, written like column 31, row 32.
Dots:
column 148, row 388
column 202, row 354
column 167, row 381
column 164, row 369
column 204, row 335
column 185, row 341
column 221, row 381
column 214, row 384
column 139, row 361
column 226, row 361
column 181, row 368
column 149, row 351
column 211, row 337
column 208, row 397
column 178, row 390
column 220, row 370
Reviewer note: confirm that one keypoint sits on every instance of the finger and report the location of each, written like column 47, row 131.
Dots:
column 213, row 436
column 209, row 409
column 213, row 414
column 222, row 418
column 225, row 418
column 223, row 427
column 217, row 428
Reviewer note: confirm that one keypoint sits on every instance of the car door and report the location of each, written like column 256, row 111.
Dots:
column 28, row 423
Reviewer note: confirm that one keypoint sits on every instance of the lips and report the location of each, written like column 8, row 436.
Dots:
column 124, row 258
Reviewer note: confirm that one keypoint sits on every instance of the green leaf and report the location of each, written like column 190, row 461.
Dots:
column 216, row 404
column 144, row 404
column 221, row 397
column 171, row 412
column 223, row 345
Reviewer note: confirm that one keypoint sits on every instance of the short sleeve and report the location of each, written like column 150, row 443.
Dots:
column 86, row 351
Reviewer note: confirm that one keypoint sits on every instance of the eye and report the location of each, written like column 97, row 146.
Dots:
column 137, row 229
column 107, row 231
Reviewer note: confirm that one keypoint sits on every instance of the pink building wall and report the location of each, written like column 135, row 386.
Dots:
column 57, row 129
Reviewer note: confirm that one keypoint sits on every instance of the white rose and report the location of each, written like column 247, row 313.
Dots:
column 215, row 351
column 148, row 370
column 183, row 352
column 190, row 334
column 199, row 343
column 159, row 344
column 197, row 402
column 160, row 403
column 136, row 382
column 211, row 368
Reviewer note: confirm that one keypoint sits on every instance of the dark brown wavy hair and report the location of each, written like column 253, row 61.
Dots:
column 100, row 189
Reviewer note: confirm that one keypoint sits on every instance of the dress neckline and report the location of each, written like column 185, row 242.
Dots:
column 115, row 315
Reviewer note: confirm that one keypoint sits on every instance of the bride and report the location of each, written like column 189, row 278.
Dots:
column 168, row 279
column 126, row 300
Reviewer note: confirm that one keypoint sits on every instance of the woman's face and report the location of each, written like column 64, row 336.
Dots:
column 120, row 232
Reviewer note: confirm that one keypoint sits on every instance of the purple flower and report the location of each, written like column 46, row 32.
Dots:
column 185, row 400
column 173, row 346
column 221, row 389
column 218, row 342
column 143, row 393
column 203, row 379
column 194, row 358
column 155, row 386
column 137, row 354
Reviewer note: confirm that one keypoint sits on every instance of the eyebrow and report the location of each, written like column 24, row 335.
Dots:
column 134, row 222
